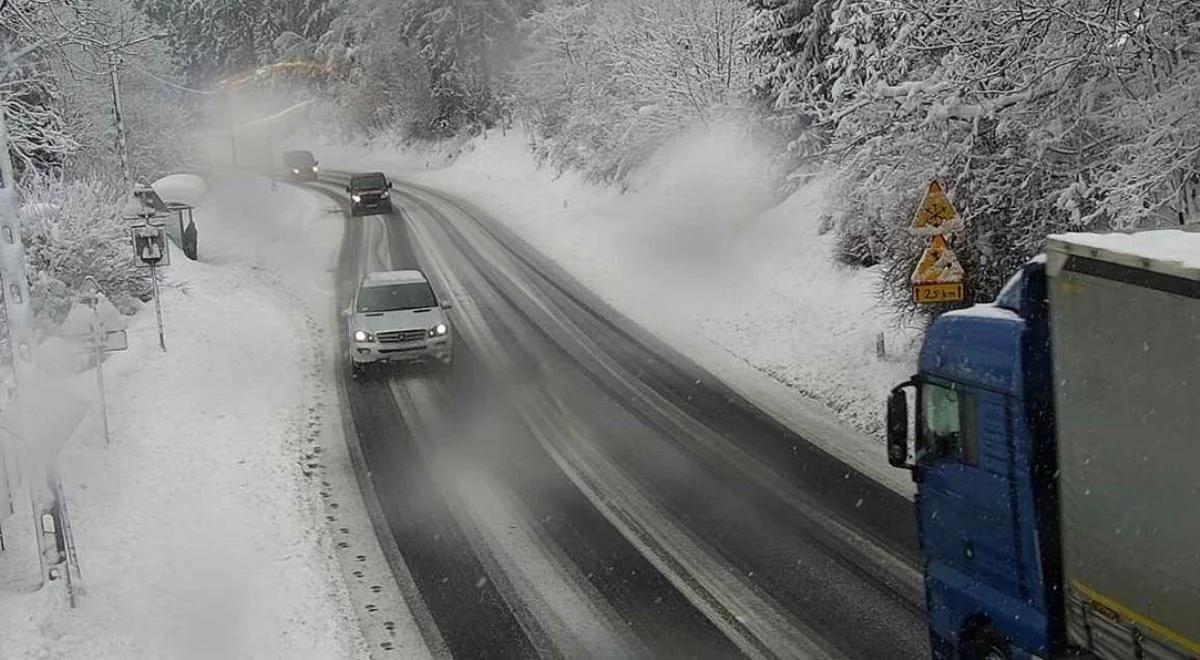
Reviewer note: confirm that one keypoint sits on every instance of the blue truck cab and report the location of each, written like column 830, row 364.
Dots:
column 984, row 460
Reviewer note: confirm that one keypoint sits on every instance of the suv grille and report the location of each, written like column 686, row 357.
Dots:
column 400, row 336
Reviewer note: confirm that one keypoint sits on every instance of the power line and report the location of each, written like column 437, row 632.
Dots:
column 172, row 85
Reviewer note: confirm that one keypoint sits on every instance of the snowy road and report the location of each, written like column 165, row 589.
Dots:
column 571, row 487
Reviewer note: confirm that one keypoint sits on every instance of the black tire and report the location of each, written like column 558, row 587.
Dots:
column 984, row 644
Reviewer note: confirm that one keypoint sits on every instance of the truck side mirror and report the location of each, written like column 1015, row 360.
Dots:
column 897, row 427
column 389, row 185
column 348, row 189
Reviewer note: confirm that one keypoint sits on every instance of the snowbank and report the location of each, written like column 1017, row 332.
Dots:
column 696, row 254
column 196, row 529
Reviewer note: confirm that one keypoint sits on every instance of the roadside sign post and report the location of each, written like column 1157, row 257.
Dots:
column 938, row 276
column 95, row 321
column 151, row 250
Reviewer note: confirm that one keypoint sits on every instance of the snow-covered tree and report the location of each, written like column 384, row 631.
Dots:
column 382, row 83
column 467, row 46
column 217, row 38
column 604, row 84
column 29, row 93
column 1041, row 116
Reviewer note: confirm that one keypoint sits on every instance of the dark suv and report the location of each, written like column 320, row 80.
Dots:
column 369, row 194
column 299, row 166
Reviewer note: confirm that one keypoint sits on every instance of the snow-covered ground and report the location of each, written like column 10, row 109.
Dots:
column 696, row 253
column 194, row 527
column 205, row 529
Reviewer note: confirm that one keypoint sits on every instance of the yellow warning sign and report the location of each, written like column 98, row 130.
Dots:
column 938, row 276
column 936, row 214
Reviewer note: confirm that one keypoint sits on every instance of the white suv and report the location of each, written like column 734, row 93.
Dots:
column 396, row 317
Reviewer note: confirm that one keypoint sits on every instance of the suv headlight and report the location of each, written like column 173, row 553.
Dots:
column 356, row 197
column 438, row 330
column 362, row 336
column 384, row 194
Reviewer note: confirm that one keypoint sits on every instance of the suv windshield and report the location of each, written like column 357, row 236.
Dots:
column 394, row 297
column 368, row 181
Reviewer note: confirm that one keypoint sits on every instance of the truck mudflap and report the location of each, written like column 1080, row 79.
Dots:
column 1112, row 631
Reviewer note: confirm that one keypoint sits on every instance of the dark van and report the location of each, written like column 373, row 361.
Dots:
column 369, row 194
column 299, row 166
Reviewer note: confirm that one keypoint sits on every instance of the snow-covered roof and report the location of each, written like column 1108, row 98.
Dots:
column 1168, row 251
column 988, row 311
column 181, row 188
column 393, row 277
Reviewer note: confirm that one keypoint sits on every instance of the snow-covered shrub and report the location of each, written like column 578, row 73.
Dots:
column 72, row 230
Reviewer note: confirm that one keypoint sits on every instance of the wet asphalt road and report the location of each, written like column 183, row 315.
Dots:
column 572, row 488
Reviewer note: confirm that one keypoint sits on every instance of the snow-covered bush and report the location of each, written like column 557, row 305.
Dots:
column 72, row 230
column 605, row 84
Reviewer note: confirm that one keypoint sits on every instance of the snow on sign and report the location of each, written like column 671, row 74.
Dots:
column 938, row 277
column 936, row 215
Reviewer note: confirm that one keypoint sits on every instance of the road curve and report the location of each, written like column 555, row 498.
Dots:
column 573, row 488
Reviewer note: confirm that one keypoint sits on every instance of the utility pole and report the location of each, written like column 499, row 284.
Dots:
column 45, row 485
column 233, row 146
column 118, row 115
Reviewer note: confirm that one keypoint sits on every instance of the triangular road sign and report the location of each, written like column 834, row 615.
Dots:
column 936, row 214
column 938, row 265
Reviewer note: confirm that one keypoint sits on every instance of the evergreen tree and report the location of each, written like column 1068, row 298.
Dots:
column 218, row 38
column 466, row 45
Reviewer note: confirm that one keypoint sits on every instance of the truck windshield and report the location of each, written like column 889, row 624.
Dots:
column 394, row 297
column 369, row 181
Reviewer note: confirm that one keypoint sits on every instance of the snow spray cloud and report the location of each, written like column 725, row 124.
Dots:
column 694, row 202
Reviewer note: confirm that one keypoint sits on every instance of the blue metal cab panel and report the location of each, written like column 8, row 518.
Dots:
column 987, row 510
column 980, row 346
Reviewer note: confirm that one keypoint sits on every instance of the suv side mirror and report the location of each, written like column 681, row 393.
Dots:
column 348, row 189
column 446, row 304
column 897, row 426
column 389, row 185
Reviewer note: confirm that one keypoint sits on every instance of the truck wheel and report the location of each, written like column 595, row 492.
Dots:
column 985, row 644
